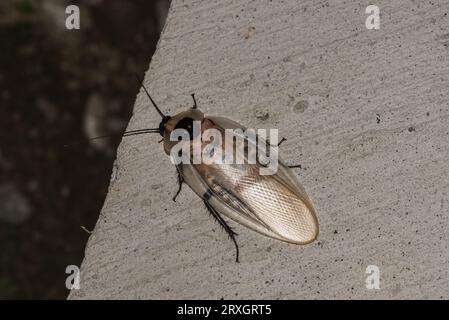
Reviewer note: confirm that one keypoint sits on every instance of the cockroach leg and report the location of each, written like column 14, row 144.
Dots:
column 282, row 140
column 194, row 101
column 279, row 143
column 180, row 182
column 222, row 223
column 295, row 166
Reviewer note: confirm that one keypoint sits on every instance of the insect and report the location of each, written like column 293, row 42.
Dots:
column 275, row 205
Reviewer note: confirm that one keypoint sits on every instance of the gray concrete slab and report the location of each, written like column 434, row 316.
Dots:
column 365, row 112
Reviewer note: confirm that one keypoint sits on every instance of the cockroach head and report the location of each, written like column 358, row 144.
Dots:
column 182, row 120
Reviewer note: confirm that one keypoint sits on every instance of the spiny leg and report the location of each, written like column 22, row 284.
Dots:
column 225, row 226
column 279, row 143
column 293, row 166
column 282, row 140
column 180, row 181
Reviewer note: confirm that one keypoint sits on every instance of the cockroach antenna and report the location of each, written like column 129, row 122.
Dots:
column 139, row 131
column 125, row 134
column 128, row 133
column 151, row 99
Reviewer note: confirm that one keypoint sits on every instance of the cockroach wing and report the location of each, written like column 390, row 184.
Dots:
column 274, row 205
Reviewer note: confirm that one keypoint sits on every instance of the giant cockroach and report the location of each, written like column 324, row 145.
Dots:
column 275, row 205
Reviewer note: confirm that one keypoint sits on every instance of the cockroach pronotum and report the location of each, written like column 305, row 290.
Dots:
column 275, row 205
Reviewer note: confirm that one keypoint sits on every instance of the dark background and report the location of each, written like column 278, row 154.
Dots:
column 58, row 87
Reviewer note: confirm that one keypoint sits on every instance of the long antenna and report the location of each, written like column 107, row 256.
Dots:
column 125, row 134
column 151, row 99
column 142, row 131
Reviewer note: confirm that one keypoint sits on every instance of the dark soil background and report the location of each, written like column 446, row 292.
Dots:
column 58, row 87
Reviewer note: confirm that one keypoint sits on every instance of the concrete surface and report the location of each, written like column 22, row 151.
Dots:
column 365, row 112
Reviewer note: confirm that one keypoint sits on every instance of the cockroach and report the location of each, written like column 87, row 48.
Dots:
column 275, row 205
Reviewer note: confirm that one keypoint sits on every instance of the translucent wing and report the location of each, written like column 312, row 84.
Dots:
column 274, row 205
